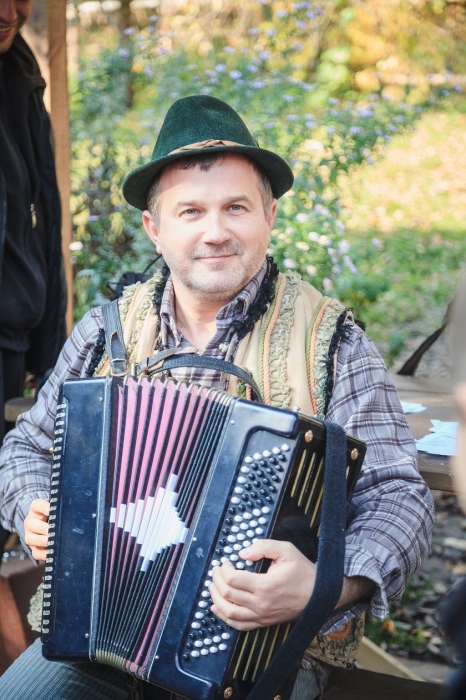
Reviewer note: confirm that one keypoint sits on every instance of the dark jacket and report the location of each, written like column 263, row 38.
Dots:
column 32, row 292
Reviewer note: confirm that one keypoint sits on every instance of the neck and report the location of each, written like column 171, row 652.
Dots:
column 195, row 317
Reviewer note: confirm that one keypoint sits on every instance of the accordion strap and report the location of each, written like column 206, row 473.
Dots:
column 330, row 570
column 166, row 360
column 116, row 349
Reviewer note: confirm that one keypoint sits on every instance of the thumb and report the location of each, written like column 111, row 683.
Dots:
column 269, row 549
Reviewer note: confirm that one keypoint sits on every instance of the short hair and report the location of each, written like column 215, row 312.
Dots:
column 205, row 162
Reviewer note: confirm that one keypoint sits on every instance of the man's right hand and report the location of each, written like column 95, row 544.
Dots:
column 36, row 528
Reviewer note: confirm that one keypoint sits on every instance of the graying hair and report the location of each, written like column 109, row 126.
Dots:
column 205, row 162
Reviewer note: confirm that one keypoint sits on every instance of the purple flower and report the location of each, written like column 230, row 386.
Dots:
column 129, row 31
column 235, row 74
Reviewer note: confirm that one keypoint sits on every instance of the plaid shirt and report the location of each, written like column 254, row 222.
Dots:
column 390, row 515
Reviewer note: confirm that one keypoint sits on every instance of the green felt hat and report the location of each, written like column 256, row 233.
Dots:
column 203, row 124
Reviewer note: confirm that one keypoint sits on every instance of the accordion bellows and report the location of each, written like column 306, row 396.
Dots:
column 154, row 483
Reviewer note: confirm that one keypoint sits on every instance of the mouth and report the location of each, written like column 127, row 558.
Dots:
column 4, row 31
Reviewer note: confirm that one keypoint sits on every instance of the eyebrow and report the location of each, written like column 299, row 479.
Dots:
column 231, row 200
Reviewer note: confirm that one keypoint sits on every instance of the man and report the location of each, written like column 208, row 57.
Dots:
column 32, row 294
column 31, row 290
column 209, row 199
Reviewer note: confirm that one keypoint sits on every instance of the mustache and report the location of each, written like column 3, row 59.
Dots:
column 216, row 251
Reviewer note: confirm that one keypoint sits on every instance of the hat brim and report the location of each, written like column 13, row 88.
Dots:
column 136, row 185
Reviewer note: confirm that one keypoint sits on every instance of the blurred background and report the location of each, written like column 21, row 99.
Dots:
column 364, row 99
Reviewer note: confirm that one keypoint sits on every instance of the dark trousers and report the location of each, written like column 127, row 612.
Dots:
column 11, row 385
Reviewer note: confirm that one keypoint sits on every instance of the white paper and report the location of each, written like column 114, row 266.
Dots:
column 412, row 407
column 441, row 439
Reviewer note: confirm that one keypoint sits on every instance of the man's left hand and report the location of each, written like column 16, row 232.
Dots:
column 246, row 600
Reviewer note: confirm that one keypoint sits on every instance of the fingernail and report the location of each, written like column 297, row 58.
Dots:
column 246, row 550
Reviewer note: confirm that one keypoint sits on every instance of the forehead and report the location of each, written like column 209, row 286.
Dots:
column 225, row 172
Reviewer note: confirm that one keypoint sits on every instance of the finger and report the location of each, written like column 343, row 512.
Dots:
column 221, row 590
column 33, row 540
column 268, row 549
column 39, row 553
column 36, row 526
column 41, row 508
column 236, row 616
column 228, row 579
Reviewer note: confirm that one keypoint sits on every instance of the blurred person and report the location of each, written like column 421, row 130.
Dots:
column 453, row 610
column 32, row 295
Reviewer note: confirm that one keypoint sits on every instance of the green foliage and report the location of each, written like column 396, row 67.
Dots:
column 261, row 77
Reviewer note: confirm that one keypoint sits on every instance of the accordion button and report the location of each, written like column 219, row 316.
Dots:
column 259, row 531
column 262, row 521
column 238, row 489
column 217, row 639
column 228, row 550
column 276, row 450
column 248, row 562
column 194, row 654
column 257, row 512
column 213, row 650
column 247, row 516
column 239, row 565
column 265, row 510
column 198, row 615
column 257, row 455
column 225, row 635
column 222, row 647
column 198, row 644
column 285, row 448
column 244, row 526
column 237, row 547
column 233, row 557
column 245, row 470
column 204, row 652
column 207, row 641
column 235, row 500
column 266, row 453
column 195, row 625
column 215, row 562
column 253, row 523
column 205, row 594
column 248, row 460
column 246, row 543
column 242, row 480
column 250, row 533
column 241, row 537
column 202, row 604
column 235, row 528
column 231, row 538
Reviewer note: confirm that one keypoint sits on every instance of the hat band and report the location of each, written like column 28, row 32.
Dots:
column 209, row 143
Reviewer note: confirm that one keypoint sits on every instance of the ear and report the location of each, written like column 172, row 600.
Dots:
column 272, row 214
column 151, row 229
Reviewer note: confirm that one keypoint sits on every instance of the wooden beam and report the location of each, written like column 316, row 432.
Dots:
column 59, row 104
column 373, row 658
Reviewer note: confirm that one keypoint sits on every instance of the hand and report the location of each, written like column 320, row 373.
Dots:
column 36, row 528
column 246, row 600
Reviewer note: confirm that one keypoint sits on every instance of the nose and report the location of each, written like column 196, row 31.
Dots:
column 8, row 14
column 216, row 231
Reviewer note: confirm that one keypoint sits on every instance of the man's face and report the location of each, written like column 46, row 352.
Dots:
column 212, row 231
column 13, row 14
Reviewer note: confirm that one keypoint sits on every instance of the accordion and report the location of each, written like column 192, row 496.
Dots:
column 154, row 483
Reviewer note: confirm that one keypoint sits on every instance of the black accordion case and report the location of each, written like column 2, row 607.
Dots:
column 155, row 483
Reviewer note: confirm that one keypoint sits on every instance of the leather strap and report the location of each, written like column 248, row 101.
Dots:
column 165, row 361
column 115, row 343
column 330, row 570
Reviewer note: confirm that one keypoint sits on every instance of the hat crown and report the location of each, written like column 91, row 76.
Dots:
column 198, row 118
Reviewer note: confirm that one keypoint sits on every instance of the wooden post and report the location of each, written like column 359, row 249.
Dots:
column 56, row 21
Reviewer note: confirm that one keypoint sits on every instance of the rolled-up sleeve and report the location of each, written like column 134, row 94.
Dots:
column 390, row 516
column 25, row 458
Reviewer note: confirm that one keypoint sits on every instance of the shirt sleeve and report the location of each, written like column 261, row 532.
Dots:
column 391, row 513
column 25, row 458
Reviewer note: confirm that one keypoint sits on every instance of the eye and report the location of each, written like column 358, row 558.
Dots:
column 190, row 212
column 236, row 207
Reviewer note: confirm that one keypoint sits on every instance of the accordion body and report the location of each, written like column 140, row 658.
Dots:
column 153, row 484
